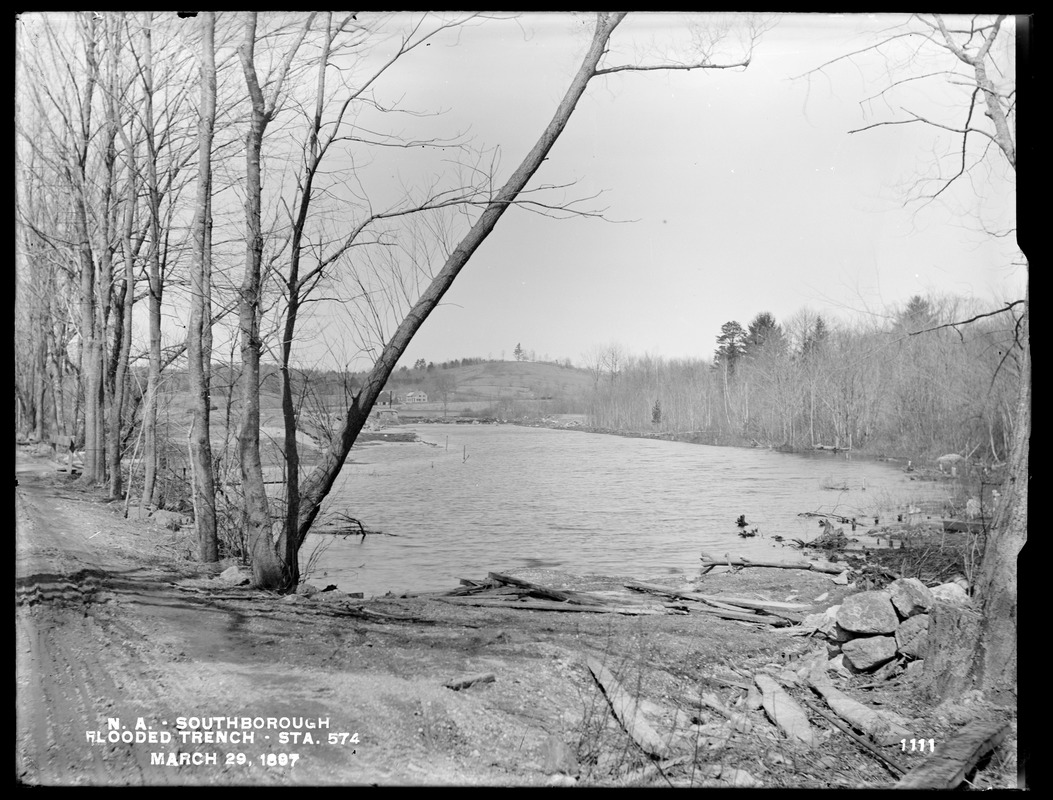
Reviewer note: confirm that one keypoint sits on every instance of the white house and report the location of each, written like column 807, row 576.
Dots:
column 415, row 397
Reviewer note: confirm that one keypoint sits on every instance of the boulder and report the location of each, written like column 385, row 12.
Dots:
column 824, row 623
column 910, row 597
column 839, row 635
column 233, row 576
column 868, row 613
column 869, row 652
column 912, row 636
column 307, row 589
column 951, row 593
column 837, row 665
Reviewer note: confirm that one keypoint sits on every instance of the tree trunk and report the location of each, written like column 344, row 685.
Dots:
column 124, row 347
column 266, row 570
column 150, row 437
column 90, row 362
column 289, row 543
column 975, row 648
column 198, row 351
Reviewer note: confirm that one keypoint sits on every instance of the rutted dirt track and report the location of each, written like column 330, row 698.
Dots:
column 113, row 623
column 103, row 634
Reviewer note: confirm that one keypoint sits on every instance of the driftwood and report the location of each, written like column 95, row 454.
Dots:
column 470, row 680
column 710, row 562
column 719, row 606
column 855, row 737
column 741, row 616
column 744, row 602
column 544, row 605
column 368, row 613
column 835, row 517
column 956, row 757
column 784, row 711
column 625, row 709
column 544, row 591
column 880, row 726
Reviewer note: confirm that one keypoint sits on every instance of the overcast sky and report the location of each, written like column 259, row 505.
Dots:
column 729, row 192
column 737, row 192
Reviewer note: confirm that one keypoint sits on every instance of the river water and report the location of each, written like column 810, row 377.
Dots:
column 470, row 499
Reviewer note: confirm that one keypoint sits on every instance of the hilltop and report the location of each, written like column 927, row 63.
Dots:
column 470, row 388
column 506, row 389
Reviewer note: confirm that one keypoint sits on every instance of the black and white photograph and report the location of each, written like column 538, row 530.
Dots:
column 528, row 399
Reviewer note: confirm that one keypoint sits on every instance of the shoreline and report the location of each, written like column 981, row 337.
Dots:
column 113, row 626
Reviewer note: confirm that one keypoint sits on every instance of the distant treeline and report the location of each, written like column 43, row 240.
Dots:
column 912, row 383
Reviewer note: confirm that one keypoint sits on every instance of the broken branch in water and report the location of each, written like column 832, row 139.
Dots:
column 345, row 526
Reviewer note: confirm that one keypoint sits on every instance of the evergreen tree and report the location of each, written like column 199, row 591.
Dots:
column 917, row 316
column 763, row 333
column 731, row 345
column 814, row 341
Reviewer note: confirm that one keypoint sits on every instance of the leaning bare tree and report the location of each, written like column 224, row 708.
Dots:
column 282, row 571
column 973, row 57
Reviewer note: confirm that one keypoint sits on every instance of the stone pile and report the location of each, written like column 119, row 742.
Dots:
column 873, row 629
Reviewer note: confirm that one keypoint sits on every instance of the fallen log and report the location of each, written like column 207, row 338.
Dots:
column 711, row 606
column 470, row 680
column 544, row 591
column 625, row 710
column 744, row 602
column 956, row 757
column 742, row 616
column 896, row 768
column 545, row 605
column 784, row 711
column 878, row 725
column 832, row 569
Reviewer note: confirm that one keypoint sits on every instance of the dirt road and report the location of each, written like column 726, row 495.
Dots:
column 135, row 666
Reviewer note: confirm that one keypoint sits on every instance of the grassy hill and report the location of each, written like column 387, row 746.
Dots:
column 502, row 389
column 505, row 389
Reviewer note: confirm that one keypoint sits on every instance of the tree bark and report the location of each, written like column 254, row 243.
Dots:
column 124, row 345
column 266, row 570
column 151, row 447
column 90, row 360
column 198, row 350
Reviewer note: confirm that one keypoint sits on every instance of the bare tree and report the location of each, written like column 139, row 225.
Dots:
column 199, row 329
column 973, row 55
column 318, row 484
column 266, row 567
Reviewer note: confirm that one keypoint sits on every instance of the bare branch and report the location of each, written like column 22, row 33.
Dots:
column 955, row 324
